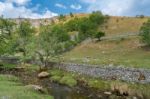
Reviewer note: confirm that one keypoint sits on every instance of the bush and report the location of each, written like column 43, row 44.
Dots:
column 145, row 33
column 98, row 35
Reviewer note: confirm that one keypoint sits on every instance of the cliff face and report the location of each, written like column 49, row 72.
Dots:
column 37, row 22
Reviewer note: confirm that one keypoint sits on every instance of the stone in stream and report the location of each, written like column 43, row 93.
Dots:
column 43, row 75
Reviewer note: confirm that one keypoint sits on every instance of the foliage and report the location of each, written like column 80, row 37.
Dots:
column 71, row 14
column 25, row 33
column 145, row 33
column 60, row 32
column 7, row 37
column 49, row 44
column 98, row 35
column 61, row 17
column 97, row 17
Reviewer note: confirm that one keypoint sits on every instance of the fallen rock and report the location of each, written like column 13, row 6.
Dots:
column 141, row 77
column 43, row 75
column 107, row 93
column 36, row 88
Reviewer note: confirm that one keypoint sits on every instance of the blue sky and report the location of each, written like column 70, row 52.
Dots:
column 50, row 8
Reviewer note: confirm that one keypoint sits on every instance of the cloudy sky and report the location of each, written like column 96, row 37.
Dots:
column 50, row 8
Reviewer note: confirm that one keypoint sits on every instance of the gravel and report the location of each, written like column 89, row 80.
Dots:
column 109, row 72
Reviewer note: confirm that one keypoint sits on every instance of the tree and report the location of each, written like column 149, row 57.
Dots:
column 25, row 35
column 61, row 17
column 60, row 32
column 97, row 17
column 98, row 35
column 7, row 36
column 48, row 45
column 71, row 14
column 145, row 33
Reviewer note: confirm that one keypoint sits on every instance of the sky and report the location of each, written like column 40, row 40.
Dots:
column 49, row 8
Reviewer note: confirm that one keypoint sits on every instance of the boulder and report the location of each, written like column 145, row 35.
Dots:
column 36, row 88
column 107, row 93
column 43, row 75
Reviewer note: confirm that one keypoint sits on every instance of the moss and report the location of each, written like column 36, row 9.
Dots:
column 68, row 80
column 56, row 78
column 55, row 72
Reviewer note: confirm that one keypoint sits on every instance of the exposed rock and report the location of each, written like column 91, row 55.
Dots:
column 107, row 93
column 141, row 76
column 36, row 88
column 43, row 75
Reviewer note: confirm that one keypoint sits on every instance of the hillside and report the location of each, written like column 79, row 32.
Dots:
column 125, row 50
column 119, row 25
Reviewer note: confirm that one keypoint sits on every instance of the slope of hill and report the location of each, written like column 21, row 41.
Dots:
column 119, row 25
column 127, row 52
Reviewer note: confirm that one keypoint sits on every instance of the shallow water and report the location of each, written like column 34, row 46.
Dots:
column 64, row 92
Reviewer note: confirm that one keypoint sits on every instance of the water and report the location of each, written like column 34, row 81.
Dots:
column 64, row 92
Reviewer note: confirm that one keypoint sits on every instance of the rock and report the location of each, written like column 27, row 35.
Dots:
column 141, row 76
column 43, row 75
column 36, row 88
column 107, row 93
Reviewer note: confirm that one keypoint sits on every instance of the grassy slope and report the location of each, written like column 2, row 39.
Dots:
column 11, row 89
column 119, row 52
column 126, row 52
column 120, row 25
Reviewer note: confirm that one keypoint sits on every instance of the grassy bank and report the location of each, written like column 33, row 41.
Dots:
column 10, row 88
column 119, row 89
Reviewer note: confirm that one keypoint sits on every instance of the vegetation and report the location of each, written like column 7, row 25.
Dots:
column 145, row 33
column 11, row 88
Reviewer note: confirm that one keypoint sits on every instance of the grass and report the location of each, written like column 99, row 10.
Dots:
column 8, row 65
column 120, row 25
column 127, row 52
column 10, row 88
column 63, row 78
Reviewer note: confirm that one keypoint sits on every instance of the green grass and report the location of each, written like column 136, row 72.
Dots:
column 63, row 77
column 10, row 88
column 119, row 52
column 8, row 65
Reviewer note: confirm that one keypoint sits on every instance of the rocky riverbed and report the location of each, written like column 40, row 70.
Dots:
column 109, row 72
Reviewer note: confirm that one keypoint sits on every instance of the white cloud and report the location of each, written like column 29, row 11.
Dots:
column 112, row 7
column 8, row 10
column 76, row 6
column 60, row 5
column 19, row 2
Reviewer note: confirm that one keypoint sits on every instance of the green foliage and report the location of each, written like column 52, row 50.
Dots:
column 7, row 37
column 86, row 26
column 25, row 34
column 71, row 14
column 145, row 33
column 60, row 32
column 97, row 18
column 61, row 17
column 98, row 35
